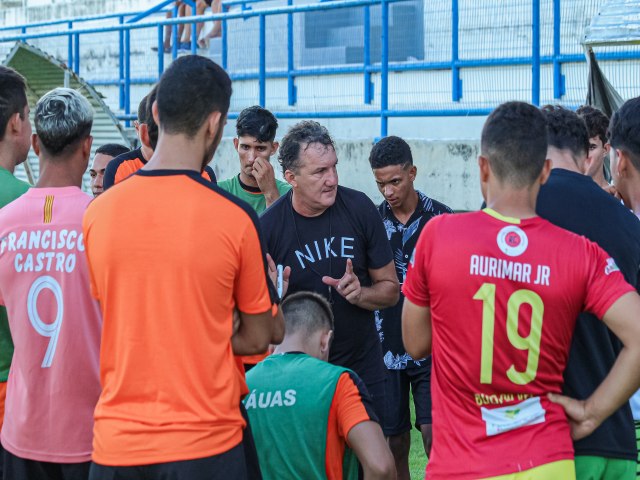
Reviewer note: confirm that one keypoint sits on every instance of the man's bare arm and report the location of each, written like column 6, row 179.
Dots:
column 623, row 318
column 367, row 441
column 416, row 329
column 255, row 332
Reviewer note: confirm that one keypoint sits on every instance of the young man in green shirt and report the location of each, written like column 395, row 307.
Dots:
column 311, row 419
column 256, row 183
column 15, row 142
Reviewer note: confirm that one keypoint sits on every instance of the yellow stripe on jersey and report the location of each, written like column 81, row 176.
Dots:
column 562, row 469
column 499, row 216
column 48, row 208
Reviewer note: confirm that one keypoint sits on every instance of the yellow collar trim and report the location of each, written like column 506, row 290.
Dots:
column 494, row 214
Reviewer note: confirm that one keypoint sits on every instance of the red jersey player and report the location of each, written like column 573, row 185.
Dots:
column 499, row 291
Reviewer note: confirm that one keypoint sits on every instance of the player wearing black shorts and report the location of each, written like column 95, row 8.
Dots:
column 404, row 212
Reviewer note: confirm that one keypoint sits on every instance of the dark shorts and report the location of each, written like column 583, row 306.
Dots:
column 378, row 393
column 250, row 450
column 16, row 468
column 230, row 464
column 397, row 415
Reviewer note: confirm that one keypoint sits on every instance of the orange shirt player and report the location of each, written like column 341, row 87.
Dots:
column 168, row 281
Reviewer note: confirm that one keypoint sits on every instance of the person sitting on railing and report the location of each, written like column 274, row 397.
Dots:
column 168, row 29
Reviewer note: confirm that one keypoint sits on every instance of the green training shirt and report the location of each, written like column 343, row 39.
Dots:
column 252, row 195
column 10, row 189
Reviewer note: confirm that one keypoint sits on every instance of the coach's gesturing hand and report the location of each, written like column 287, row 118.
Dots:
column 273, row 275
column 348, row 285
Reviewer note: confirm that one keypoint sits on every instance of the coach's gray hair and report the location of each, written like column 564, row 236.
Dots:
column 63, row 116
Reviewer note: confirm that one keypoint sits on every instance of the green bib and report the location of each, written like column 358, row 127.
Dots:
column 288, row 404
column 10, row 189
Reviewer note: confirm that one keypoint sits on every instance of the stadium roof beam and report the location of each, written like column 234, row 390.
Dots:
column 617, row 23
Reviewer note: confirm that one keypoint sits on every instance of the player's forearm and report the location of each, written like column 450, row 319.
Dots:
column 382, row 294
column 277, row 334
column 622, row 381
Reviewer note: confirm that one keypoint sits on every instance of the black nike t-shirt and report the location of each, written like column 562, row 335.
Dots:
column 576, row 203
column 317, row 246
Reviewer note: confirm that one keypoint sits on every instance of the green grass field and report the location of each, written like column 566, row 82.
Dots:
column 417, row 457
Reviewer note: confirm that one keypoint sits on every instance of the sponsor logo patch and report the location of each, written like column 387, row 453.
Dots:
column 512, row 241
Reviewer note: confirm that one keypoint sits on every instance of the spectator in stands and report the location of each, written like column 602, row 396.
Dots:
column 573, row 201
column 597, row 124
column 216, row 29
column 103, row 156
column 168, row 29
column 404, row 212
column 55, row 323
column 128, row 163
column 15, row 142
column 331, row 240
column 298, row 399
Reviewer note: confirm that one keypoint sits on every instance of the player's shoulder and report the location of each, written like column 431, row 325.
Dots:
column 349, row 194
column 433, row 206
column 283, row 187
column 228, row 183
column 277, row 209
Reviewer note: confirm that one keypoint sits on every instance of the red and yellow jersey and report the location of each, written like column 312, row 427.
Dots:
column 168, row 283
column 504, row 296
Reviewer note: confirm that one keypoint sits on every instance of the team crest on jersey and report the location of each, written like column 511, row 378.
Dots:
column 512, row 240
column 611, row 266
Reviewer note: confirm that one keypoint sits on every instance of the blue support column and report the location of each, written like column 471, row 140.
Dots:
column 76, row 56
column 160, row 50
column 456, row 82
column 558, row 78
column 127, row 75
column 263, row 63
column 70, row 47
column 368, row 85
column 291, row 85
column 121, row 65
column 384, row 70
column 224, row 40
column 535, row 53
column 174, row 35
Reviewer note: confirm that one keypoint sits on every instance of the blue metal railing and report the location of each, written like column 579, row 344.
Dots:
column 369, row 66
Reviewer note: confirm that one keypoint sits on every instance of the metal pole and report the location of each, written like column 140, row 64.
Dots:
column 70, row 47
column 127, row 78
column 121, row 65
column 368, row 86
column 174, row 35
column 384, row 70
column 558, row 87
column 291, row 86
column 263, row 63
column 76, row 57
column 224, row 40
column 160, row 50
column 456, row 83
column 535, row 54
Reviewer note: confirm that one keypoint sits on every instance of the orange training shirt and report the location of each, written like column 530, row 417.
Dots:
column 168, row 274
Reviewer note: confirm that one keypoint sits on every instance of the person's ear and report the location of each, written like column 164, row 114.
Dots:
column 274, row 147
column 624, row 163
column 154, row 112
column 607, row 148
column 236, row 143
column 413, row 171
column 143, row 133
column 86, row 147
column 15, row 124
column 290, row 177
column 325, row 342
column 214, row 124
column 485, row 170
column 35, row 144
column 546, row 171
